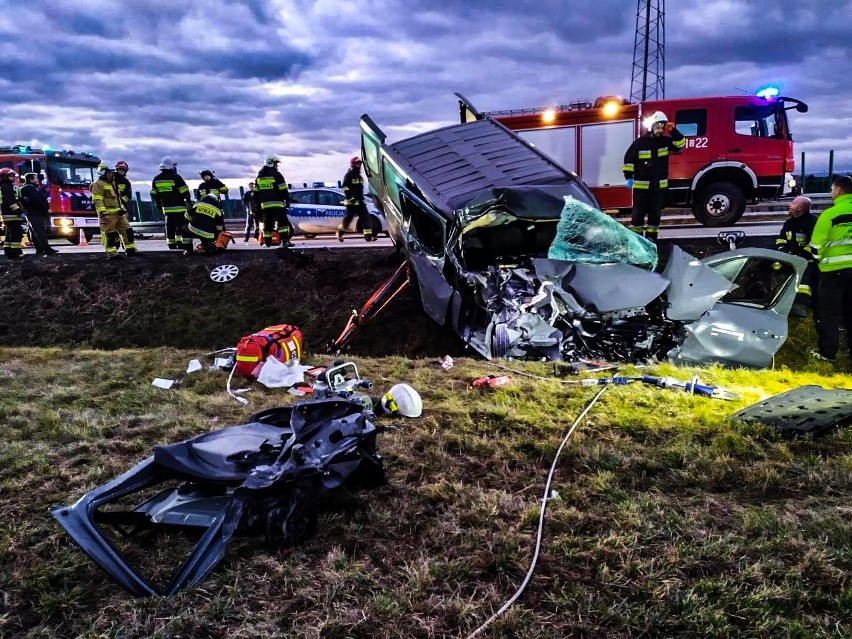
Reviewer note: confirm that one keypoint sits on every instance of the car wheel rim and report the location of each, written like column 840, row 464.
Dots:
column 224, row 273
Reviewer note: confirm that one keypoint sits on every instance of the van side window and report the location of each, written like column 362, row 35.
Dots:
column 691, row 122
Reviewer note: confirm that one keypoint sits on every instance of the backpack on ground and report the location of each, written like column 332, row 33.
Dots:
column 282, row 341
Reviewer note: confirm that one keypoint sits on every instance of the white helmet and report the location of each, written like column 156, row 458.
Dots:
column 167, row 163
column 272, row 160
column 654, row 118
column 103, row 168
column 403, row 400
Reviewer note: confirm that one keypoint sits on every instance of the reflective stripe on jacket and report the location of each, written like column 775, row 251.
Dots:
column 105, row 197
column 10, row 206
column 831, row 240
column 646, row 161
column 170, row 192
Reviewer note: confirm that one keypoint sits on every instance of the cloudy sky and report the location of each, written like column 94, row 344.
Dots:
column 221, row 84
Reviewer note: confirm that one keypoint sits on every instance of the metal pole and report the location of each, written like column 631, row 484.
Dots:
column 830, row 168
column 647, row 43
column 803, row 172
column 139, row 211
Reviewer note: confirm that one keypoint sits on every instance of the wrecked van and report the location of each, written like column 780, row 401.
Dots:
column 510, row 251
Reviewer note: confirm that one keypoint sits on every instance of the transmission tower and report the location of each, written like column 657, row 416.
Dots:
column 649, row 51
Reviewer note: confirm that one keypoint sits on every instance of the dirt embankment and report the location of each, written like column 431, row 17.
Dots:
column 166, row 299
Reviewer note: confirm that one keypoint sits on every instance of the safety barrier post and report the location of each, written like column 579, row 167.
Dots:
column 830, row 168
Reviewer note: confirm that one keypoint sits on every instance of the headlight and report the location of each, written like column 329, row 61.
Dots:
column 791, row 182
column 63, row 222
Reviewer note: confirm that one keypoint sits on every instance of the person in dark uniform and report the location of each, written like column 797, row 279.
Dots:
column 11, row 215
column 211, row 184
column 353, row 188
column 206, row 221
column 274, row 199
column 253, row 216
column 795, row 238
column 122, row 184
column 170, row 192
column 646, row 169
column 38, row 214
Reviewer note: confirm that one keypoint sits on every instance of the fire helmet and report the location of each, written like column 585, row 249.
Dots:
column 7, row 173
column 210, row 198
column 204, row 172
column 30, row 175
column 167, row 163
column 103, row 167
column 654, row 118
column 355, row 161
column 402, row 400
column 272, row 160
column 121, row 164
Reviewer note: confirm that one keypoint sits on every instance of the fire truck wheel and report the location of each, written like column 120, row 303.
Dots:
column 720, row 204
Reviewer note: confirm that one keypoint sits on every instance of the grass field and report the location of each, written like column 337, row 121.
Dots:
column 671, row 520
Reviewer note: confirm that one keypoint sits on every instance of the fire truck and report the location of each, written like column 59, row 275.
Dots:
column 739, row 149
column 67, row 177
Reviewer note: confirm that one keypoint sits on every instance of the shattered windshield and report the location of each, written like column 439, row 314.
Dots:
column 65, row 173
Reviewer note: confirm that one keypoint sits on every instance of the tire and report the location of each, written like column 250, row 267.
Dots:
column 720, row 204
column 500, row 341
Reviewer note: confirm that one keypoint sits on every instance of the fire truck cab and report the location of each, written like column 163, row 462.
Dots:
column 739, row 149
column 67, row 178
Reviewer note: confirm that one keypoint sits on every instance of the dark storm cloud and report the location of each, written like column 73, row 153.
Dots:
column 222, row 84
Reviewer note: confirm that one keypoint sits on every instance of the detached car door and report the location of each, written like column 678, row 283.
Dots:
column 747, row 325
column 426, row 240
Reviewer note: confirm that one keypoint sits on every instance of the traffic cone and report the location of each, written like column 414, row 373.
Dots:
column 83, row 241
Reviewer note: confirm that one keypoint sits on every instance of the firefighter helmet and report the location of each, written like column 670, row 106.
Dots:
column 655, row 118
column 102, row 169
column 204, row 172
column 6, row 172
column 27, row 176
column 167, row 163
column 403, row 400
column 355, row 161
column 210, row 198
column 121, row 164
column 272, row 160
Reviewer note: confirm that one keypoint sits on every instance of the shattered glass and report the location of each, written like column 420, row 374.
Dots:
column 585, row 234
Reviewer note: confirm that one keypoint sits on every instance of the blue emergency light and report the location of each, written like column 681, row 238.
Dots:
column 768, row 92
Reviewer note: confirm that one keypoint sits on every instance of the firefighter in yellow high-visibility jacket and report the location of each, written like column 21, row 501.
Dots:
column 115, row 229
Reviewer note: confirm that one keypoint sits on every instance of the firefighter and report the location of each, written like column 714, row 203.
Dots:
column 115, row 229
column 171, row 194
column 206, row 221
column 831, row 242
column 253, row 217
column 353, row 188
column 125, row 190
column 11, row 215
column 646, row 169
column 274, row 199
column 795, row 238
column 38, row 214
column 211, row 184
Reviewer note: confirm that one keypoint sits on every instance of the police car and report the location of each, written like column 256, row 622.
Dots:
column 317, row 210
